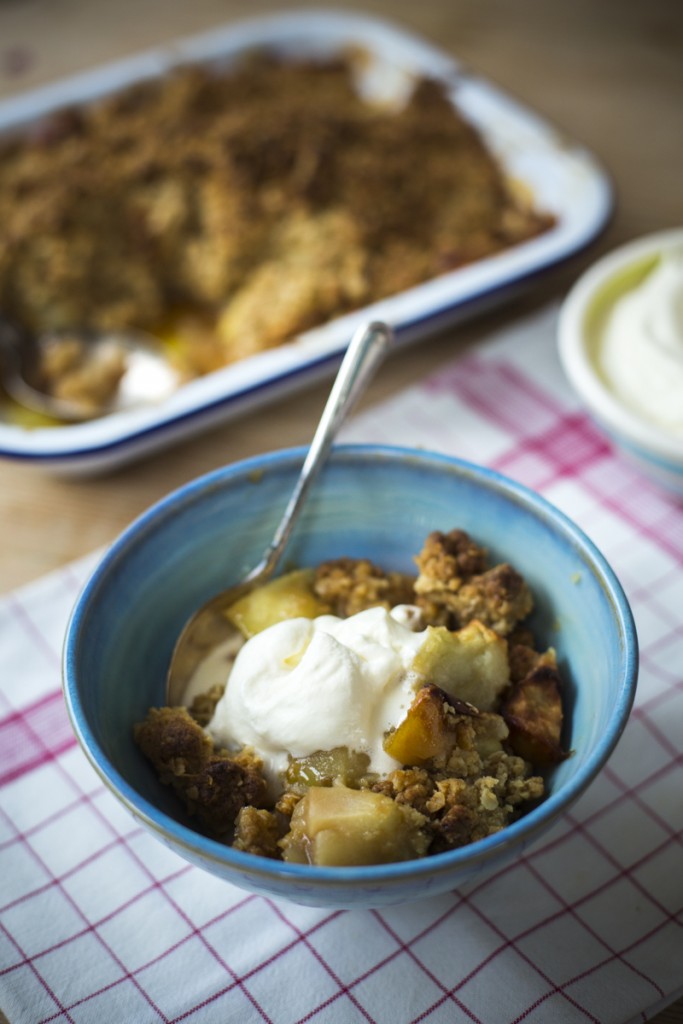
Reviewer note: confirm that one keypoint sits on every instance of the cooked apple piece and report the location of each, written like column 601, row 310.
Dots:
column 325, row 767
column 429, row 728
column 533, row 712
column 286, row 597
column 335, row 826
column 470, row 664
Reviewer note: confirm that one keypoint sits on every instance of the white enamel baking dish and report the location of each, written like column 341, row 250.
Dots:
column 562, row 177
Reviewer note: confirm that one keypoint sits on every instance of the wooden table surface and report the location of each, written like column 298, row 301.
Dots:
column 607, row 72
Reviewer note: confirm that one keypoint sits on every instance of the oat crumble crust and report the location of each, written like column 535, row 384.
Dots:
column 454, row 586
column 350, row 585
column 248, row 205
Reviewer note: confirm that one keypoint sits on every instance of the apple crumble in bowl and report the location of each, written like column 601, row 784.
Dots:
column 368, row 716
column 461, row 723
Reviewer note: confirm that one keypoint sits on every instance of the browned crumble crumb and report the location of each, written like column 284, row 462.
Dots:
column 499, row 597
column 287, row 802
column 413, row 786
column 350, row 585
column 470, row 812
column 213, row 785
column 173, row 742
column 70, row 370
column 521, row 636
column 533, row 712
column 454, row 586
column 476, row 739
column 258, row 832
column 447, row 560
column 470, row 791
column 513, row 773
column 524, row 659
column 204, row 704
column 433, row 613
column 461, row 810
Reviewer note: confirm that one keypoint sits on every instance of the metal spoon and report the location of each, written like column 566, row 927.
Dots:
column 209, row 628
column 147, row 378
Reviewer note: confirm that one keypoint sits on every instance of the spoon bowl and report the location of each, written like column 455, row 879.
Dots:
column 126, row 369
column 209, row 627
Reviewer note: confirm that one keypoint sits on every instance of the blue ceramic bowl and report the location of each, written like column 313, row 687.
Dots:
column 375, row 502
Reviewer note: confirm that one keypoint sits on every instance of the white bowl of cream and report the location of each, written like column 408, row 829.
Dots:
column 620, row 337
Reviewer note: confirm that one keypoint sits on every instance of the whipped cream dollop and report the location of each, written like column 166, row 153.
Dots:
column 305, row 685
column 641, row 349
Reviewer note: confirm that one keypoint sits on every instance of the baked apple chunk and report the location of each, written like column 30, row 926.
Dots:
column 338, row 826
column 470, row 664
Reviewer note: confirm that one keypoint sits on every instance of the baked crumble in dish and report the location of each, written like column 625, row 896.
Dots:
column 463, row 734
column 229, row 211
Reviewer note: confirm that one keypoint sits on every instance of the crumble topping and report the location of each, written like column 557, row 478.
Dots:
column 231, row 210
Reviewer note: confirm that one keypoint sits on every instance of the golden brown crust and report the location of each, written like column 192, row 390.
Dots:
column 523, row 659
column 454, row 586
column 534, row 715
column 350, row 585
column 499, row 597
column 268, row 193
column 204, row 704
column 258, row 831
column 447, row 560
column 173, row 742
column 462, row 808
column 213, row 785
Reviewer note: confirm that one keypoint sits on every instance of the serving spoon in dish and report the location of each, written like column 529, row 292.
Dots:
column 110, row 371
column 209, row 628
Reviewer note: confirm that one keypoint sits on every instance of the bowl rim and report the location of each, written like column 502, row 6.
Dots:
column 637, row 432
column 237, row 863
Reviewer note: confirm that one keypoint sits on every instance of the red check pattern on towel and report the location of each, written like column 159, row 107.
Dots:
column 99, row 922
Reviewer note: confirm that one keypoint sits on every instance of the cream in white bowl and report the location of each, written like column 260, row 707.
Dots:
column 641, row 349
column 621, row 343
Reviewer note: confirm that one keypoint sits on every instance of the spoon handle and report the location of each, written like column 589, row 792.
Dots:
column 365, row 351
